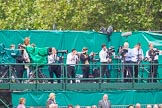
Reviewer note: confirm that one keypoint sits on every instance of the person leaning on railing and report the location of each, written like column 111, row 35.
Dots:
column 104, row 59
column 54, row 67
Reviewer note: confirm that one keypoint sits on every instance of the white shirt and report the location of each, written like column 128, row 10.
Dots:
column 26, row 56
column 52, row 58
column 155, row 58
column 136, row 53
column 71, row 59
column 103, row 56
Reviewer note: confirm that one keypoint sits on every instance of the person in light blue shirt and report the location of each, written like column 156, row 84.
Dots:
column 126, row 54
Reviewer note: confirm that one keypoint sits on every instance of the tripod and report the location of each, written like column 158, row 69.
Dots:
column 33, row 74
column 5, row 74
column 127, row 69
column 153, row 70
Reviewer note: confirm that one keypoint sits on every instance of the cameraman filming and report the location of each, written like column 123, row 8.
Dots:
column 126, row 54
column 104, row 59
column 85, row 60
column 152, row 57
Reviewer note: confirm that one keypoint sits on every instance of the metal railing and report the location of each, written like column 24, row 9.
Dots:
column 113, row 106
column 39, row 74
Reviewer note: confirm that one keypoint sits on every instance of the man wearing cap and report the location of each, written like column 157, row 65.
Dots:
column 85, row 60
column 71, row 61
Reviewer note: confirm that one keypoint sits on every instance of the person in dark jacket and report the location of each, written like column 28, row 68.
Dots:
column 104, row 103
column 85, row 60
column 20, row 59
column 51, row 100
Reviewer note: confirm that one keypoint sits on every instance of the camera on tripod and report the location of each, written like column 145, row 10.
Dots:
column 94, row 54
column 49, row 50
column 110, row 51
column 62, row 51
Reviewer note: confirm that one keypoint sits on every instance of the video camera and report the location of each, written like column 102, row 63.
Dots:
column 152, row 53
column 110, row 51
column 94, row 54
column 62, row 51
column 58, row 51
column 122, row 51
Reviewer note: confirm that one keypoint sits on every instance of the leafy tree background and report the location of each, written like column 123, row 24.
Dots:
column 81, row 14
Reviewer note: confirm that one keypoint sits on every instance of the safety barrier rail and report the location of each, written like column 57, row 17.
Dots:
column 117, row 78
column 113, row 106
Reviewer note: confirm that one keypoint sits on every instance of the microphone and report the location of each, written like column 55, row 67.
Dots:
column 126, row 34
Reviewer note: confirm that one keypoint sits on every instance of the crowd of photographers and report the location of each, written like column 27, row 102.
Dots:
column 126, row 55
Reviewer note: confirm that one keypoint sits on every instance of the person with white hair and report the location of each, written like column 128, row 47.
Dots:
column 126, row 54
column 149, row 106
column 155, row 106
column 138, row 105
column 104, row 103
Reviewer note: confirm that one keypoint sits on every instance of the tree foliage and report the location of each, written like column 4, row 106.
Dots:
column 81, row 14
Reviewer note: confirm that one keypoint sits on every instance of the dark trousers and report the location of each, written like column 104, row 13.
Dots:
column 71, row 73
column 153, row 70
column 86, row 71
column 54, row 69
column 135, row 70
column 128, row 71
column 20, row 74
column 104, row 69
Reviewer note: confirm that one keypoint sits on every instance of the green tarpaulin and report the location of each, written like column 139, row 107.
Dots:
column 89, row 98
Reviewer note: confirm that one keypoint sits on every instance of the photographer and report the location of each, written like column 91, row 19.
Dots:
column 126, row 55
column 152, row 57
column 104, row 59
column 71, row 61
column 54, row 67
column 137, row 57
column 20, row 59
column 85, row 60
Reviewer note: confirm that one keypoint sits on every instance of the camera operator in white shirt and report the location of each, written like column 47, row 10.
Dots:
column 104, row 59
column 71, row 61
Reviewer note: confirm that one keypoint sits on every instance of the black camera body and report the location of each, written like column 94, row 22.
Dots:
column 122, row 51
column 62, row 51
column 110, row 51
column 94, row 54
column 152, row 53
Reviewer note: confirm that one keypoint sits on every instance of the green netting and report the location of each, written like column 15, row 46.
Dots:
column 89, row 98
column 75, row 39
column 78, row 39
